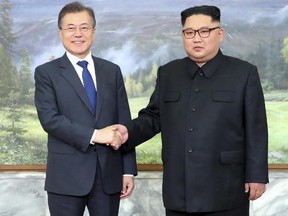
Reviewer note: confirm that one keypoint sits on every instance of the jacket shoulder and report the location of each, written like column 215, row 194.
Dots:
column 175, row 62
column 51, row 63
column 237, row 61
column 101, row 61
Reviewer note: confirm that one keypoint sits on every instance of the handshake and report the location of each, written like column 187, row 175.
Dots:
column 114, row 136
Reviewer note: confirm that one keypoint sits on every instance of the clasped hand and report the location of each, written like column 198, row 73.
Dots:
column 114, row 136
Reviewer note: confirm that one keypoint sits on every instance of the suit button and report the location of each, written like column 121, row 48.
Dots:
column 196, row 90
column 191, row 129
column 193, row 109
column 190, row 150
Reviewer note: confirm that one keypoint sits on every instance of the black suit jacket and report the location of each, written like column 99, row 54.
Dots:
column 66, row 115
column 214, row 132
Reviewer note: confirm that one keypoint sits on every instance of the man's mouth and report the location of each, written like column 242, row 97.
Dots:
column 77, row 42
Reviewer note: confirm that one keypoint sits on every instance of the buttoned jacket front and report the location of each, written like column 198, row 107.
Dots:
column 66, row 115
column 213, row 129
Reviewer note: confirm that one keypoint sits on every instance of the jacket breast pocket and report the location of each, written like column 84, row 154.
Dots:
column 232, row 157
column 171, row 97
column 224, row 96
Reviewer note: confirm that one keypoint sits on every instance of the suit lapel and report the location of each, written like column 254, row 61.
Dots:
column 69, row 73
column 101, row 90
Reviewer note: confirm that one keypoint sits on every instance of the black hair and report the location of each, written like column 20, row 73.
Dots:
column 212, row 11
column 75, row 7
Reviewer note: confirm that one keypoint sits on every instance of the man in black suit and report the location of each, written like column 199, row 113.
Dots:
column 210, row 110
column 80, row 171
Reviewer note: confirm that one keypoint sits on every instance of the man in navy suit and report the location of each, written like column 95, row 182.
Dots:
column 210, row 110
column 80, row 171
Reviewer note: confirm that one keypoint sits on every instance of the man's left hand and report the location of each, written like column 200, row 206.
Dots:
column 128, row 186
column 255, row 190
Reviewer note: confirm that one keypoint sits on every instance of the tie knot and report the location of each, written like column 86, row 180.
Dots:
column 82, row 64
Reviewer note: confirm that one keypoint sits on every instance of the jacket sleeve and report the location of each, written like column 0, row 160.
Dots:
column 53, row 122
column 147, row 124
column 129, row 157
column 256, row 131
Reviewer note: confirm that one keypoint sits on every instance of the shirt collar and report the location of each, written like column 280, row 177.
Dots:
column 73, row 59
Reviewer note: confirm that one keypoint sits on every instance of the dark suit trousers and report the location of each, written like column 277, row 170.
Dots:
column 241, row 211
column 97, row 202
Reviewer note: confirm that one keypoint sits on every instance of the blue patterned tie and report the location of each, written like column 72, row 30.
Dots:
column 88, row 84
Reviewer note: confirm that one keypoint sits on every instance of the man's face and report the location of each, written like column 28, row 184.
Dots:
column 201, row 49
column 77, row 33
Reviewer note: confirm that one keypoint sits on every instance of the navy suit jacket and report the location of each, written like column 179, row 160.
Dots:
column 66, row 115
column 213, row 129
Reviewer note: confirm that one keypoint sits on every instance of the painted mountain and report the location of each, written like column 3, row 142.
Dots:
column 135, row 34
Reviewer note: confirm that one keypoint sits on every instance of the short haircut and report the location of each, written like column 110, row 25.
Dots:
column 75, row 7
column 212, row 11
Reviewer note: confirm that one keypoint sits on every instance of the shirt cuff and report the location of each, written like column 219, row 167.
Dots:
column 92, row 138
column 130, row 175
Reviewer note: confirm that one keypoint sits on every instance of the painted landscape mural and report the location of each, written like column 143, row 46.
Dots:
column 139, row 36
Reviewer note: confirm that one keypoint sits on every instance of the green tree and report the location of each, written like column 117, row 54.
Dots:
column 275, row 65
column 284, row 51
column 150, row 80
column 7, row 38
column 8, row 74
column 130, row 86
column 25, row 78
column 138, row 89
column 152, row 75
column 271, row 64
column 15, row 115
column 12, row 137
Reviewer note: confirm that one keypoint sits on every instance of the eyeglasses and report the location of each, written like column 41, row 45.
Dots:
column 203, row 32
column 73, row 28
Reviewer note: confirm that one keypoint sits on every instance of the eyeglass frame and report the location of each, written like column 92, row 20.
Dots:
column 84, row 28
column 198, row 31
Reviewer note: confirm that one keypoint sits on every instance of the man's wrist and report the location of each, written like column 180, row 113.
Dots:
column 92, row 142
column 129, row 175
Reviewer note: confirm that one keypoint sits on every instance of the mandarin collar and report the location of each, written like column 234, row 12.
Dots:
column 192, row 67
column 208, row 69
